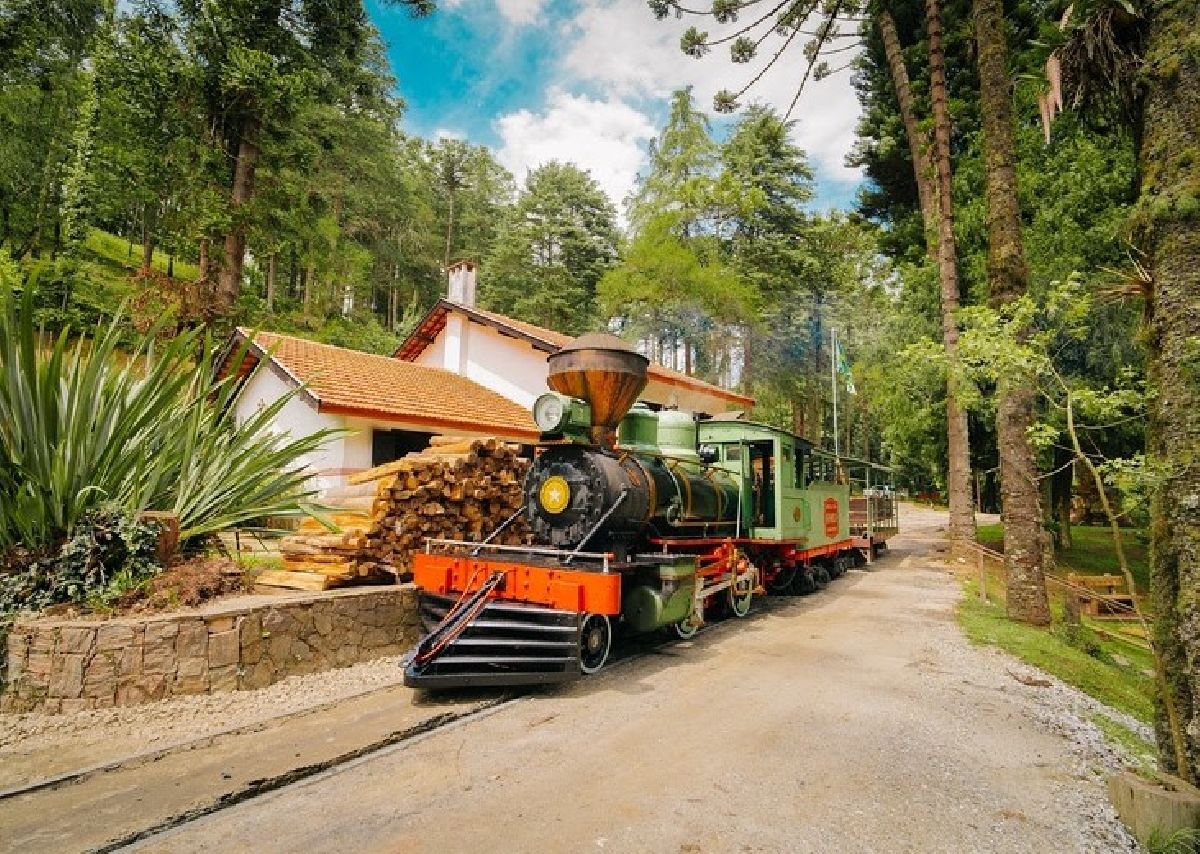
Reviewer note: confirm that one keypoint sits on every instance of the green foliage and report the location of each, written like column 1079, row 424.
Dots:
column 87, row 424
column 553, row 247
column 1186, row 840
column 1029, row 338
column 107, row 554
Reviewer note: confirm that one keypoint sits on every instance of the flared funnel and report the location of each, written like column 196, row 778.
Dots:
column 603, row 371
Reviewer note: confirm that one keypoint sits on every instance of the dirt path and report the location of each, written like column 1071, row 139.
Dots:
column 858, row 719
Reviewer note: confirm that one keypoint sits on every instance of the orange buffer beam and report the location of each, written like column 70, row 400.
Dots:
column 564, row 589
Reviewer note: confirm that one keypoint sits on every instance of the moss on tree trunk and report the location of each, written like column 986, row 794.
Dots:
column 1168, row 232
column 1008, row 279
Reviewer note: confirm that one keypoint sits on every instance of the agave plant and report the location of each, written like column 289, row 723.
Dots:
column 88, row 421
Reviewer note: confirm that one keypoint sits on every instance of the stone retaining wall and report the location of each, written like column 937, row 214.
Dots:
column 236, row 644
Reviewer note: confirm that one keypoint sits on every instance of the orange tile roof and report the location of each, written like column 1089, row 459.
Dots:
column 435, row 320
column 350, row 382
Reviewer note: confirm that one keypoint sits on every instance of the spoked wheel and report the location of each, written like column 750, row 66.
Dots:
column 740, row 594
column 783, row 582
column 685, row 629
column 595, row 642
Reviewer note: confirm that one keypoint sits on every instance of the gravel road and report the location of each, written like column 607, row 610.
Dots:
column 859, row 719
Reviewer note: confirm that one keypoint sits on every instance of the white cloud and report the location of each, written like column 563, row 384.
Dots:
column 448, row 133
column 520, row 11
column 619, row 47
column 514, row 11
column 603, row 137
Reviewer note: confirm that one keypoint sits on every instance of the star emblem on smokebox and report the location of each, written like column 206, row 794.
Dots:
column 555, row 494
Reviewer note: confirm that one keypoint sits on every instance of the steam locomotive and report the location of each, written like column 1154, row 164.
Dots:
column 641, row 521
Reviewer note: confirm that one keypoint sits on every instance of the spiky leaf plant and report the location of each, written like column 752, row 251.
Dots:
column 146, row 426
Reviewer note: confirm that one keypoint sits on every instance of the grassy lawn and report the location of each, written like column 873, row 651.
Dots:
column 1111, row 671
column 112, row 252
column 1091, row 552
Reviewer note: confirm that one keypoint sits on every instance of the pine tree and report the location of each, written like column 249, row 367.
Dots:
column 553, row 247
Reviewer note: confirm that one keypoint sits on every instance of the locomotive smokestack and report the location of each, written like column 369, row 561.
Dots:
column 604, row 372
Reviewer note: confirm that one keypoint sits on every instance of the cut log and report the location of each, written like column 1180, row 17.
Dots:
column 294, row 580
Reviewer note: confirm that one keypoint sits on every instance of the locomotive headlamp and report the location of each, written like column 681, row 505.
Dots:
column 558, row 413
column 550, row 412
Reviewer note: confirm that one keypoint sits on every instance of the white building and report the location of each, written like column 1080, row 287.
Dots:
column 391, row 406
column 509, row 355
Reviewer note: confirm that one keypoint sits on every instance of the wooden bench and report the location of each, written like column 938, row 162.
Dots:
column 1106, row 597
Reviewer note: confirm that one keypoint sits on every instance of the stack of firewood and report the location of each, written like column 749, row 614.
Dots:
column 458, row 489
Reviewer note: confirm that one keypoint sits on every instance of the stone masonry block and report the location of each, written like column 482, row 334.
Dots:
column 161, row 630
column 192, row 640
column 224, row 648
column 216, row 625
column 129, row 661
column 76, row 639
column 191, row 668
column 158, row 655
column 223, row 678
column 67, row 680
column 114, row 637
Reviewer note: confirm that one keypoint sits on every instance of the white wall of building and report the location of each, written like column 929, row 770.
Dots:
column 508, row 366
column 297, row 418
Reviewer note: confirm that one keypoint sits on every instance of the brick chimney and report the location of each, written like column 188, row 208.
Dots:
column 462, row 283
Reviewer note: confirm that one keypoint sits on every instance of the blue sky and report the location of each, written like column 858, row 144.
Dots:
column 585, row 81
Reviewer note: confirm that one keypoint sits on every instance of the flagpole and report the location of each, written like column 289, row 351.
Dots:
column 833, row 379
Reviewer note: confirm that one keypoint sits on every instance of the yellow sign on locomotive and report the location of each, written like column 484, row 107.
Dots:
column 555, row 494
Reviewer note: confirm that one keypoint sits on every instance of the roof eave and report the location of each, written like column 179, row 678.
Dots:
column 427, row 420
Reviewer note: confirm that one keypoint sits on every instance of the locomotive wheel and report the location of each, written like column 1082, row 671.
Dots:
column 821, row 576
column 803, row 583
column 595, row 642
column 739, row 600
column 685, row 629
column 783, row 582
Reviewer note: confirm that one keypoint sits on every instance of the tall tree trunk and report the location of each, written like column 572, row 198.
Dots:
column 271, row 269
column 1169, row 234
column 229, row 283
column 958, row 475
column 449, row 233
column 918, row 142
column 310, row 279
column 147, row 239
column 1008, row 279
column 189, row 310
column 1060, row 496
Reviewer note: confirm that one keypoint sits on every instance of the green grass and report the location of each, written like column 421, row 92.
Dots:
column 112, row 252
column 1091, row 552
column 1112, row 672
column 1141, row 751
column 260, row 561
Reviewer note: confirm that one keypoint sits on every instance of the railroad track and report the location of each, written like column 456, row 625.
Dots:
column 626, row 655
